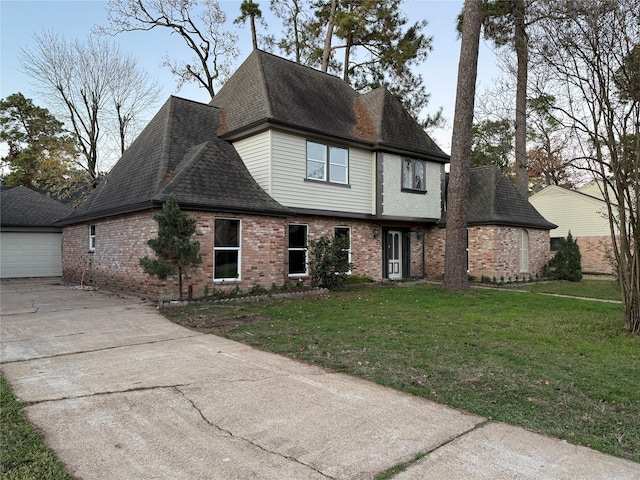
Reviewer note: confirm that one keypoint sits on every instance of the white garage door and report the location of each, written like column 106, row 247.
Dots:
column 30, row 254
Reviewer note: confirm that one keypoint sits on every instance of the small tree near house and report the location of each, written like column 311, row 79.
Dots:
column 329, row 261
column 173, row 246
column 566, row 264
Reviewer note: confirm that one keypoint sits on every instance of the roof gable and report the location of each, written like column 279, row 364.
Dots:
column 555, row 190
column 22, row 207
column 267, row 89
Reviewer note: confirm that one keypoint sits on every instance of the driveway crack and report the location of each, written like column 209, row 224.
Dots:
column 260, row 447
column 80, row 352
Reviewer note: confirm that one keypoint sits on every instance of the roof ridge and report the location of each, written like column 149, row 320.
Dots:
column 190, row 159
column 494, row 186
column 163, row 164
column 263, row 82
column 312, row 69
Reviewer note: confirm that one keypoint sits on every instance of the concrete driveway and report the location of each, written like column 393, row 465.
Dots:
column 119, row 392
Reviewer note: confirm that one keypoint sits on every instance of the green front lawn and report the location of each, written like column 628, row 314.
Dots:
column 556, row 365
column 600, row 288
column 23, row 454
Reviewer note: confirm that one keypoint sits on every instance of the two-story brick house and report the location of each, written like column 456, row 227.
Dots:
column 282, row 154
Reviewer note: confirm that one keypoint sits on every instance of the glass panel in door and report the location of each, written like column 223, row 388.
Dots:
column 394, row 255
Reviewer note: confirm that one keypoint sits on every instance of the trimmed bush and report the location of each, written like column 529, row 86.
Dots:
column 567, row 263
column 329, row 261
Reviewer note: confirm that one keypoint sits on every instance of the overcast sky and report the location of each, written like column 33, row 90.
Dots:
column 20, row 20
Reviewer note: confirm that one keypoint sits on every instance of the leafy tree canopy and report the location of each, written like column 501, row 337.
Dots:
column 41, row 151
column 492, row 144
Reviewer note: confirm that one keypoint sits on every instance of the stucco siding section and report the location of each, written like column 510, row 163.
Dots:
column 397, row 203
column 290, row 187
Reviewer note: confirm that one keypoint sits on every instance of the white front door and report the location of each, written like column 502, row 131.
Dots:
column 394, row 255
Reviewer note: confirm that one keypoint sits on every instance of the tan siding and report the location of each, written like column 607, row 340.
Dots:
column 255, row 152
column 405, row 204
column 290, row 188
column 571, row 211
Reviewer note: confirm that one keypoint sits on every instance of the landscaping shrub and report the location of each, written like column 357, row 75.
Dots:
column 329, row 261
column 566, row 264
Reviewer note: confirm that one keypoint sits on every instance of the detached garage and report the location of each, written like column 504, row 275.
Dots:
column 30, row 243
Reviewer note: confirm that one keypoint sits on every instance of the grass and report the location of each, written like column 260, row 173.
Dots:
column 556, row 365
column 601, row 289
column 24, row 456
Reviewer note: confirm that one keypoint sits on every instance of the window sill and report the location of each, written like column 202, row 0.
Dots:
column 412, row 190
column 327, row 182
column 230, row 281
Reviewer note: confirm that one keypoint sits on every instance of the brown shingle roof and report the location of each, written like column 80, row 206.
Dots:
column 269, row 90
column 494, row 200
column 163, row 158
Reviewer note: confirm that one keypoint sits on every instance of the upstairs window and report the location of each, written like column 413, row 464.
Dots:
column 92, row 238
column 226, row 249
column 413, row 175
column 327, row 163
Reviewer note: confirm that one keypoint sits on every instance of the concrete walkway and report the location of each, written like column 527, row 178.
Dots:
column 119, row 392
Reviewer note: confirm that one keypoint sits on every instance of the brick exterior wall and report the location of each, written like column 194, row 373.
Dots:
column 434, row 257
column 122, row 240
column 596, row 254
column 365, row 249
column 494, row 251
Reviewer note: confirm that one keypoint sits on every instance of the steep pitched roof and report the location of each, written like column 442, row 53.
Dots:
column 22, row 207
column 269, row 90
column 177, row 143
column 494, row 200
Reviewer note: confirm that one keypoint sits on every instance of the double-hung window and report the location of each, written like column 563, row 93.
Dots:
column 413, row 175
column 345, row 232
column 298, row 250
column 92, row 238
column 226, row 249
column 327, row 163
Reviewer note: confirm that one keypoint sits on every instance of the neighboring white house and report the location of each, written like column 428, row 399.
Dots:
column 582, row 212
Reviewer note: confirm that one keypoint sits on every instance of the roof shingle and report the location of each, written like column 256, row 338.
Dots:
column 162, row 160
column 267, row 89
column 22, row 207
column 494, row 200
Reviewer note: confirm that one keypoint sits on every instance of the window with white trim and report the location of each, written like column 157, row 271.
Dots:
column 92, row 238
column 327, row 163
column 344, row 232
column 298, row 261
column 413, row 175
column 524, row 251
column 226, row 249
